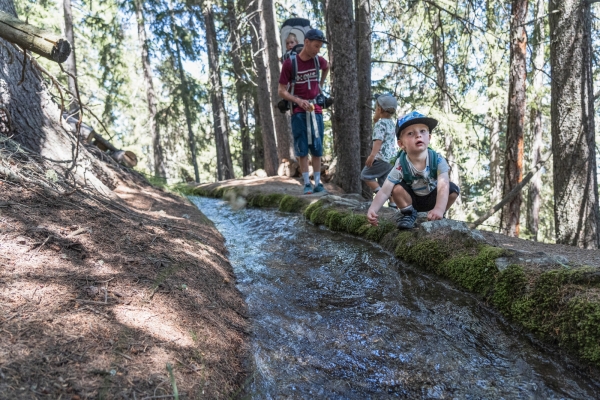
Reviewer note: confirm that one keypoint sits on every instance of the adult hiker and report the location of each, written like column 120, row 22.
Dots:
column 307, row 115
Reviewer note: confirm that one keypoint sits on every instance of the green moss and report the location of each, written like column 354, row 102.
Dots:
column 579, row 328
column 291, row 203
column 510, row 286
column 377, row 233
column 264, row 200
column 333, row 220
column 312, row 208
column 353, row 222
column 475, row 273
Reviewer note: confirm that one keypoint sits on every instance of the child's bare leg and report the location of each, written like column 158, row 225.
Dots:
column 451, row 199
column 401, row 197
column 372, row 184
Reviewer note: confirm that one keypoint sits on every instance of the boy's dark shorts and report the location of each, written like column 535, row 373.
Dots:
column 426, row 203
column 301, row 146
column 376, row 172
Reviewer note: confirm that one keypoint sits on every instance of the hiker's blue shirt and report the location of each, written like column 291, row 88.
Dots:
column 422, row 184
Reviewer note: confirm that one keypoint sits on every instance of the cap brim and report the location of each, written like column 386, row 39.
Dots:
column 430, row 122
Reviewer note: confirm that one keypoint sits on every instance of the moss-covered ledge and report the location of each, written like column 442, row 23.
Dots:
column 556, row 302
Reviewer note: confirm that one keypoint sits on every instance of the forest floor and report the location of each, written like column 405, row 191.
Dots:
column 97, row 297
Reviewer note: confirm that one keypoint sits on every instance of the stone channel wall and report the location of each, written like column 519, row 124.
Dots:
column 556, row 302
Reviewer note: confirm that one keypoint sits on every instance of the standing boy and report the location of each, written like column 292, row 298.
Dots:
column 378, row 164
column 307, row 117
column 419, row 179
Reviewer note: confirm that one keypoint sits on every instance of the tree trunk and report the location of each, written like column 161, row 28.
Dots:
column 271, row 56
column 263, row 101
column 240, row 90
column 439, row 56
column 259, row 151
column 29, row 115
column 513, row 165
column 495, row 105
column 534, row 199
column 159, row 164
column 71, row 63
column 365, row 121
column 220, row 122
column 186, row 106
column 342, row 36
column 572, row 110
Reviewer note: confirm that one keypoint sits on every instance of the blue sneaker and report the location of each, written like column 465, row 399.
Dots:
column 319, row 188
column 308, row 189
column 406, row 219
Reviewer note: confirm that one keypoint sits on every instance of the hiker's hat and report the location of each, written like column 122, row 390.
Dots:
column 386, row 101
column 413, row 118
column 315, row 34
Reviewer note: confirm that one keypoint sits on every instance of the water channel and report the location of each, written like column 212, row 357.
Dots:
column 335, row 317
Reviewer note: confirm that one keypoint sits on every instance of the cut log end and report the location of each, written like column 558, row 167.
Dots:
column 61, row 51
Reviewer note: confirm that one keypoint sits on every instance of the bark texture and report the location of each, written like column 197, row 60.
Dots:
column 158, row 157
column 240, row 87
column 263, row 97
column 220, row 121
column 534, row 196
column 342, row 36
column 363, row 39
column 513, row 164
column 572, row 110
column 271, row 55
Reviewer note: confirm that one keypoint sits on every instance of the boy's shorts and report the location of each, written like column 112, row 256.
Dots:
column 376, row 172
column 301, row 146
column 426, row 203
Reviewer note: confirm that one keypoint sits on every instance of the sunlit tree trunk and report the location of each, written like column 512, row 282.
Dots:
column 259, row 151
column 573, row 135
column 220, row 121
column 534, row 198
column 513, row 165
column 271, row 55
column 159, row 167
column 263, row 101
column 240, row 87
column 494, row 105
column 71, row 63
column 439, row 57
column 363, row 39
column 342, row 36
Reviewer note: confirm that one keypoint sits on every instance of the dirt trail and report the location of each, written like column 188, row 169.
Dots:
column 97, row 298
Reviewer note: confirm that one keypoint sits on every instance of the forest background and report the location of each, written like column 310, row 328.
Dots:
column 190, row 87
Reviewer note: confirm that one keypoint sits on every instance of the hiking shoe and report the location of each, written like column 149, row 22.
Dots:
column 308, row 189
column 319, row 188
column 406, row 219
column 391, row 204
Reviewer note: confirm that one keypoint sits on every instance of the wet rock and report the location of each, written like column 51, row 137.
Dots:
column 450, row 227
column 341, row 201
column 528, row 258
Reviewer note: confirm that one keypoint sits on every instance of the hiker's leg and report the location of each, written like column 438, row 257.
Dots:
column 316, row 148
column 301, row 143
column 316, row 164
column 372, row 184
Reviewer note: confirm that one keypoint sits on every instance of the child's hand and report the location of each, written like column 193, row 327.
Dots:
column 372, row 217
column 435, row 215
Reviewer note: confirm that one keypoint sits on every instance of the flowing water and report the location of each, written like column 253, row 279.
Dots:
column 335, row 317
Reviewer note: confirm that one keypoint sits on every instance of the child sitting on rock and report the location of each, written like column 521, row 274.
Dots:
column 379, row 163
column 419, row 179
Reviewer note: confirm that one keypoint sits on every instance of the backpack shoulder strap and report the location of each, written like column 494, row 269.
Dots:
column 433, row 162
column 406, row 175
column 318, row 68
column 294, row 72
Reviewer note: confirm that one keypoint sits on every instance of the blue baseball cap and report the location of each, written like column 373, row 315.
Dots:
column 315, row 34
column 412, row 118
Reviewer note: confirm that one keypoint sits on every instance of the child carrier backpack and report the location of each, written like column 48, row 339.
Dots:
column 297, row 27
column 407, row 176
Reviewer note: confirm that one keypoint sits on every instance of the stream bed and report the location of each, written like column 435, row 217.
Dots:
column 335, row 317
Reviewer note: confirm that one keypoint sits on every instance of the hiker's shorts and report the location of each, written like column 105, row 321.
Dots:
column 426, row 203
column 376, row 172
column 299, row 129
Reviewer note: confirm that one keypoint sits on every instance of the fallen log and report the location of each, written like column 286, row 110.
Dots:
column 28, row 37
